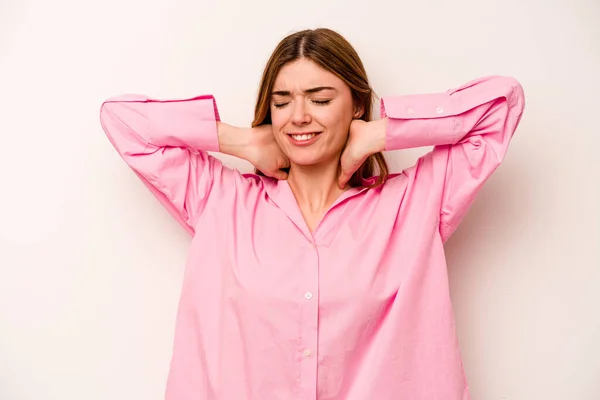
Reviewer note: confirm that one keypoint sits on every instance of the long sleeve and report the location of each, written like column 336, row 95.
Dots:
column 165, row 143
column 470, row 128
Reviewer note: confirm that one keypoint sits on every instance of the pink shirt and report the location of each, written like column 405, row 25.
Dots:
column 358, row 310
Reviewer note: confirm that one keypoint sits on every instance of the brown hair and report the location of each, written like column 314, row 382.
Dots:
column 332, row 52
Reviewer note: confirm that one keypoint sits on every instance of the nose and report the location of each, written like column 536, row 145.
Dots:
column 300, row 116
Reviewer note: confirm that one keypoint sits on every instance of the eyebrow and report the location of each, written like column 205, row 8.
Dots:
column 307, row 91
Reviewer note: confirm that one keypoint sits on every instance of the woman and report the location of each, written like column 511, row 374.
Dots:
column 320, row 276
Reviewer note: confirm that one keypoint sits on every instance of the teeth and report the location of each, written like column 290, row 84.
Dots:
column 304, row 137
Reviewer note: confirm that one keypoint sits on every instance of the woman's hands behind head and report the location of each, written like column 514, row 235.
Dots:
column 259, row 147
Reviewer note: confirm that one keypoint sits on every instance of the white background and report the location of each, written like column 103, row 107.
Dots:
column 91, row 264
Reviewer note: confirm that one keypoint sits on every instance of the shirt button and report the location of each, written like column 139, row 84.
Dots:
column 439, row 110
column 308, row 295
column 410, row 111
column 307, row 353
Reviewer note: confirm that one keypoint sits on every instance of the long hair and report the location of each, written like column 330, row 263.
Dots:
column 332, row 52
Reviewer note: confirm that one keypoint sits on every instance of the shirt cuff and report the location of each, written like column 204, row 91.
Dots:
column 190, row 122
column 420, row 120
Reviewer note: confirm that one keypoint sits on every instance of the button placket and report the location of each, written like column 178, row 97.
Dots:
column 308, row 330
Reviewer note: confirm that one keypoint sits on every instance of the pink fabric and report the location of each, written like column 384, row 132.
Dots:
column 359, row 310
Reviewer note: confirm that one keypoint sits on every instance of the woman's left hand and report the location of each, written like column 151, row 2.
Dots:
column 364, row 139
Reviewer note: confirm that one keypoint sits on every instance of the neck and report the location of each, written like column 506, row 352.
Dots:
column 315, row 186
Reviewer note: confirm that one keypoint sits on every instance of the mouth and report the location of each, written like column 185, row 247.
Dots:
column 303, row 139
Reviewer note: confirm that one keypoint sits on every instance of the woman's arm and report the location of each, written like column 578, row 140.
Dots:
column 166, row 142
column 470, row 127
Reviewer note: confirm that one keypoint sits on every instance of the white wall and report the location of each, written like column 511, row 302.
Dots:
column 91, row 264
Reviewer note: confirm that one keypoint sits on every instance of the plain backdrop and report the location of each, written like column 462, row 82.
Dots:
column 91, row 264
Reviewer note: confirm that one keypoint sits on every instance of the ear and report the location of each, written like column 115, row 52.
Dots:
column 358, row 111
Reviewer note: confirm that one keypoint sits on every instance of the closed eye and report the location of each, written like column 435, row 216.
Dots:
column 319, row 102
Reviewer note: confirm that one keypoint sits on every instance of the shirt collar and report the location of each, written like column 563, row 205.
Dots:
column 280, row 192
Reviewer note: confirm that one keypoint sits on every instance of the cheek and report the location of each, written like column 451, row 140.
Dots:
column 336, row 122
column 278, row 120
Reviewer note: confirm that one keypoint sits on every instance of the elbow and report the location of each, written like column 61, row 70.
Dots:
column 113, row 126
column 107, row 117
column 111, row 119
column 123, row 125
column 505, row 87
column 121, row 110
column 111, row 111
column 513, row 92
column 104, row 112
column 516, row 97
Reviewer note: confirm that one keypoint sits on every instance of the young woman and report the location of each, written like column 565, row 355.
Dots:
column 320, row 276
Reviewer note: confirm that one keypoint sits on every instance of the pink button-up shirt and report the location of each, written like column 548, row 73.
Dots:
column 357, row 310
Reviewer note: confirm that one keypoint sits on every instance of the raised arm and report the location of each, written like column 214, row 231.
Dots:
column 470, row 126
column 166, row 142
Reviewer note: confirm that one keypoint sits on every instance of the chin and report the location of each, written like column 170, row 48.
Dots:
column 306, row 160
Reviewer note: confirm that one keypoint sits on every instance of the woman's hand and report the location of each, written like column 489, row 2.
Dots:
column 364, row 139
column 256, row 145
column 265, row 154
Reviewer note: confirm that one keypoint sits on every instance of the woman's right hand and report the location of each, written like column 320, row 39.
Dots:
column 255, row 145
column 265, row 154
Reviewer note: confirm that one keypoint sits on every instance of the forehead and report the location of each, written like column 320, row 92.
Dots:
column 303, row 74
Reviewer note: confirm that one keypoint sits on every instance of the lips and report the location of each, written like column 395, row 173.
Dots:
column 302, row 137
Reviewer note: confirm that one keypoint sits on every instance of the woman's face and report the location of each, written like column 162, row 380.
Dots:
column 311, row 112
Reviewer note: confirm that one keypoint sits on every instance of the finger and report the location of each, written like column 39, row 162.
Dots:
column 343, row 180
column 348, row 168
column 279, row 174
column 346, row 174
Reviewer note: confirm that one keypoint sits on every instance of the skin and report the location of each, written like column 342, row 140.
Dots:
column 309, row 99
